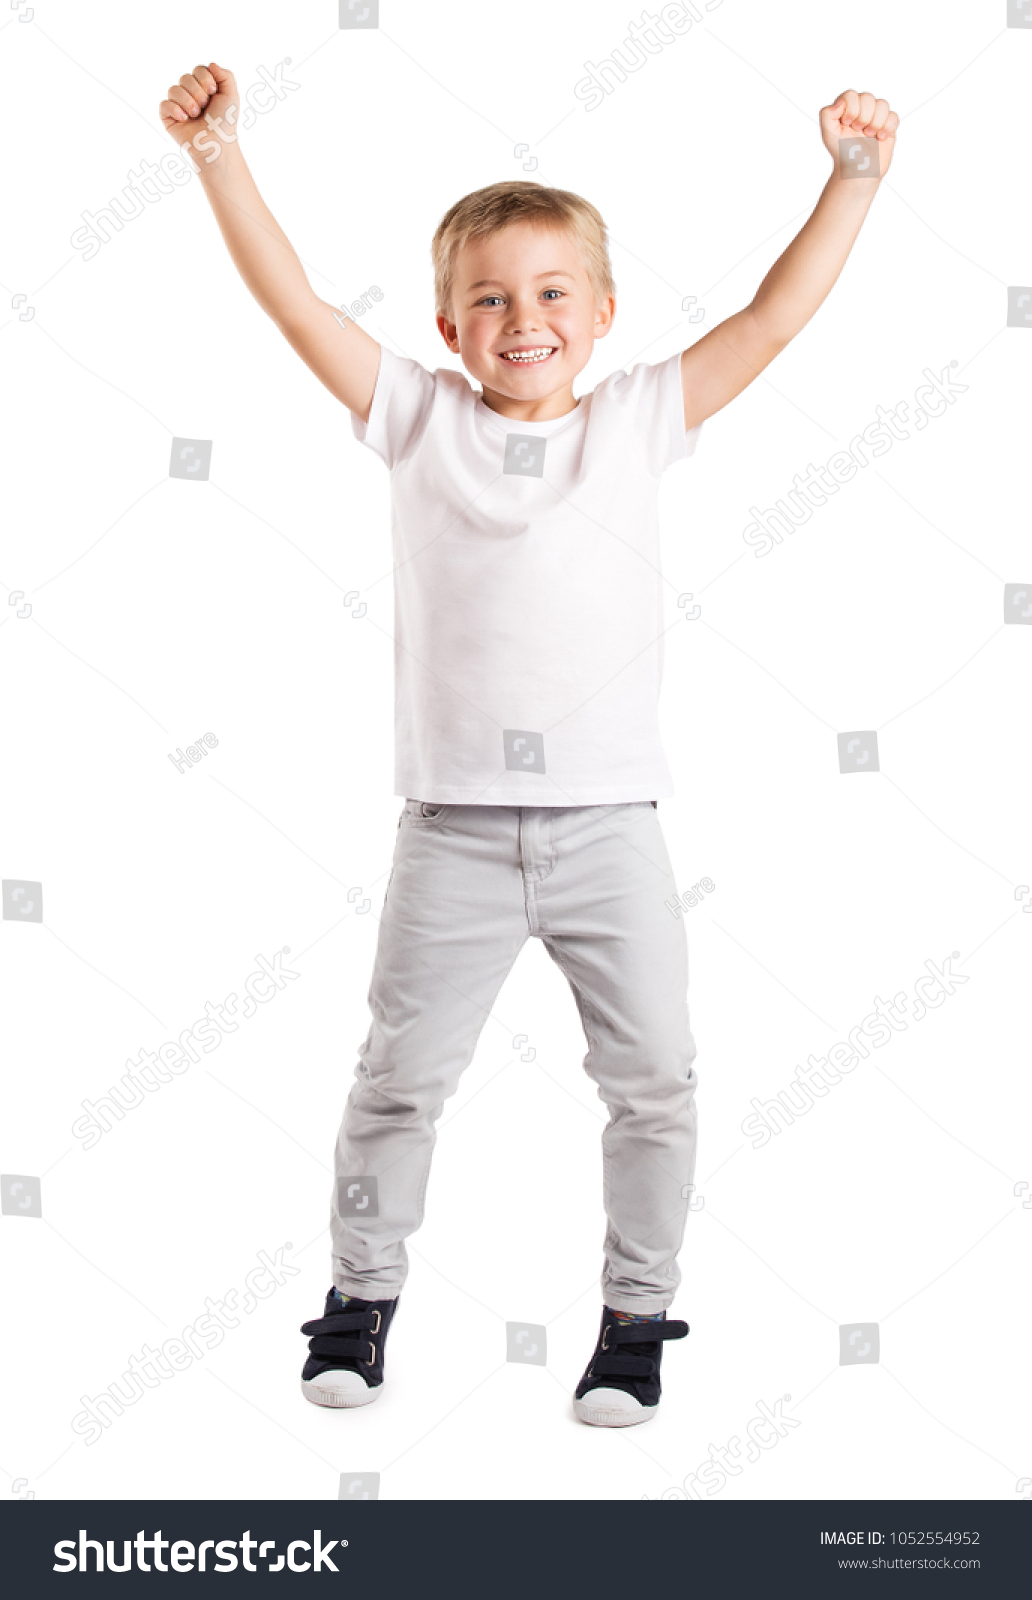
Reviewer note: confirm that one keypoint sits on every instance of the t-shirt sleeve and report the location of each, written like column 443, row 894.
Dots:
column 653, row 399
column 402, row 402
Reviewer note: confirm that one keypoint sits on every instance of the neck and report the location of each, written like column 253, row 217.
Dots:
column 547, row 409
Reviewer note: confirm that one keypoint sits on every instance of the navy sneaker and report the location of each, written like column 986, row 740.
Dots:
column 621, row 1384
column 345, row 1363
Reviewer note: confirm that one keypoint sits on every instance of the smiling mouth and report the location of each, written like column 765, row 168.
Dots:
column 528, row 358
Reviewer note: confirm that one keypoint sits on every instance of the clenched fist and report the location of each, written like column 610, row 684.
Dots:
column 853, row 114
column 198, row 105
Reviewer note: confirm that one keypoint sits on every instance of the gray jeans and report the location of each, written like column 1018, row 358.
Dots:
column 469, row 885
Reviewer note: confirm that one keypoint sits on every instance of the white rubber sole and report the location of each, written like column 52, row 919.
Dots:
column 612, row 1408
column 340, row 1389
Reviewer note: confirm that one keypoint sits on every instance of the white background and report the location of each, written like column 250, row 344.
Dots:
column 161, row 609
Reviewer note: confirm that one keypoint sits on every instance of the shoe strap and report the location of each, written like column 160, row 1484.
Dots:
column 343, row 1322
column 644, row 1332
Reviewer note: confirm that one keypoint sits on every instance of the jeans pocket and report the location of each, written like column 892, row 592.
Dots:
column 424, row 811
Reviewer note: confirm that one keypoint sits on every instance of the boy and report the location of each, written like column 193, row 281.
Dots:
column 528, row 658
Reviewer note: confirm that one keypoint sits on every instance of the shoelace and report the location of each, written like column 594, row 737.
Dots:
column 330, row 1342
column 610, row 1362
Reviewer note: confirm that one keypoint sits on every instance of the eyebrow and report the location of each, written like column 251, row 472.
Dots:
column 484, row 283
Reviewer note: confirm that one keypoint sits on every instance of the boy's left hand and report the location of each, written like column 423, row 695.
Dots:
column 853, row 113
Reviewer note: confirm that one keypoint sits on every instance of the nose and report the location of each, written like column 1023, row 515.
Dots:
column 523, row 316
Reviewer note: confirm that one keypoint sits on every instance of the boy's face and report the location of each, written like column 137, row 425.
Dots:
column 524, row 290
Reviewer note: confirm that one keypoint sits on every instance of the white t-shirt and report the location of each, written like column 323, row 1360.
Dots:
column 528, row 614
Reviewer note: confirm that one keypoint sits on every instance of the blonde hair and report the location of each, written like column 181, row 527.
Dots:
column 500, row 205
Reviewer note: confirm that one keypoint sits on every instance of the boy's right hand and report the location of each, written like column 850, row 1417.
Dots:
column 340, row 353
column 210, row 89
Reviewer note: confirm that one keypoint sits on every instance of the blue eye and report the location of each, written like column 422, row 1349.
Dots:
column 560, row 293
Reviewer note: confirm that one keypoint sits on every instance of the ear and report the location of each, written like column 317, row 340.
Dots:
column 449, row 332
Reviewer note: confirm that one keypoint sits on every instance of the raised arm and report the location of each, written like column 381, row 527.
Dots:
column 201, row 115
column 727, row 359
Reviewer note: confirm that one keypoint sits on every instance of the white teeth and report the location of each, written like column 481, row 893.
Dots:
column 527, row 355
